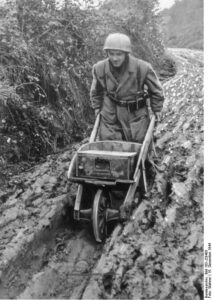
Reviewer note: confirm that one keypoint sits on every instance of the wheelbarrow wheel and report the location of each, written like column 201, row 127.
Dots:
column 99, row 217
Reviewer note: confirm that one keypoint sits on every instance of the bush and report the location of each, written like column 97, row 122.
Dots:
column 47, row 52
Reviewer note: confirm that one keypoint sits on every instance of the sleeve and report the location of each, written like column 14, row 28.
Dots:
column 96, row 91
column 155, row 90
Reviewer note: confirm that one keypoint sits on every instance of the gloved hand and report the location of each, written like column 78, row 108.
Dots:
column 96, row 111
column 158, row 116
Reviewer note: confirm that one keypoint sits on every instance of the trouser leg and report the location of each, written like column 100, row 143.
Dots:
column 110, row 131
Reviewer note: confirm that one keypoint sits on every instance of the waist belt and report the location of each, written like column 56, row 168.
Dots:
column 138, row 102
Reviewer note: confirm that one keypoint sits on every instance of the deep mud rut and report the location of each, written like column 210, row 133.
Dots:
column 43, row 254
column 156, row 255
column 67, row 270
column 58, row 265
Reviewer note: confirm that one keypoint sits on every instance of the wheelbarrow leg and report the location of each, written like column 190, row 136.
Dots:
column 78, row 202
column 79, row 212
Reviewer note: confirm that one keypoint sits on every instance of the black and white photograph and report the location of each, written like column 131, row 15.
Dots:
column 104, row 137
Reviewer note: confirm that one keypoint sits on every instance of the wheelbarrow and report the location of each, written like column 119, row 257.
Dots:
column 103, row 169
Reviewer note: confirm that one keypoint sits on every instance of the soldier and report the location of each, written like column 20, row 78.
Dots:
column 118, row 92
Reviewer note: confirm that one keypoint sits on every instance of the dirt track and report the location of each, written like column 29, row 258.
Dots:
column 158, row 255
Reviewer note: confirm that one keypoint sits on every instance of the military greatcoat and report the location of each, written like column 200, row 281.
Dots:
column 117, row 122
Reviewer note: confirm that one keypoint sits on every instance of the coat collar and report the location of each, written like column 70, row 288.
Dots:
column 130, row 69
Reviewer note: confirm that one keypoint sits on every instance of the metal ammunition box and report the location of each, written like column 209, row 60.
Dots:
column 105, row 164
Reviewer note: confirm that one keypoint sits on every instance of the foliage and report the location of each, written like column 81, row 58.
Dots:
column 43, row 57
column 139, row 19
column 183, row 24
column 47, row 51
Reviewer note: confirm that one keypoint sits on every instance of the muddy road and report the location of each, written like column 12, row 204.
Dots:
column 156, row 255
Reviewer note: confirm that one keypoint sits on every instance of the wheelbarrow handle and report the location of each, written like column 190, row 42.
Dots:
column 145, row 145
column 95, row 129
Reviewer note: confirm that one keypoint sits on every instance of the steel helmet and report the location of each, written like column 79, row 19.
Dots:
column 118, row 41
